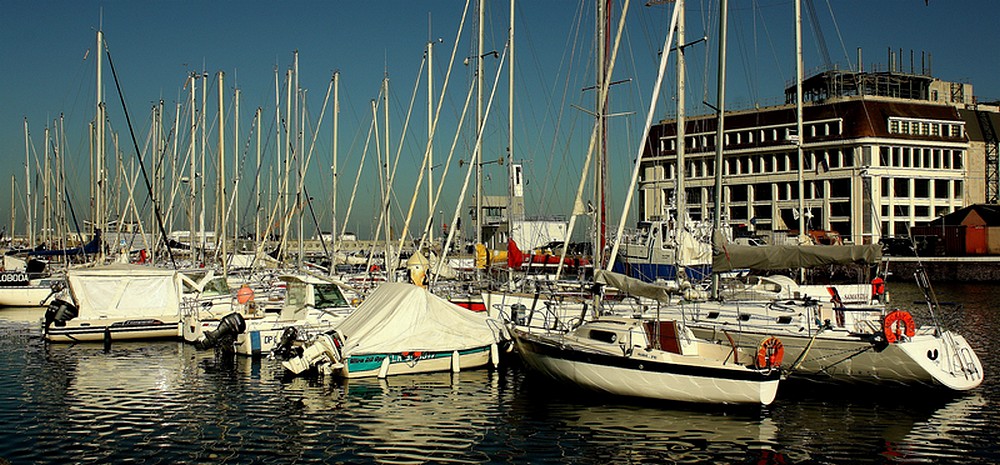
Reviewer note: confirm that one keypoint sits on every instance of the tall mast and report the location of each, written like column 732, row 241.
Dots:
column 388, row 183
column 220, row 195
column 98, row 217
column 13, row 207
column 603, row 17
column 333, row 167
column 277, row 143
column 46, row 205
column 510, row 137
column 798, row 127
column 430, row 128
column 300, row 178
column 257, row 174
column 798, row 116
column 720, row 130
column 680, row 192
column 29, row 226
column 478, row 158
column 192, row 182
column 202, row 178
column 237, row 172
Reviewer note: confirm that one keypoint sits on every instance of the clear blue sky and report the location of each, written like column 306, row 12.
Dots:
column 48, row 53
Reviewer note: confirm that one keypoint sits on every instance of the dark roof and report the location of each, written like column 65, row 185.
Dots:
column 861, row 118
column 972, row 126
column 988, row 212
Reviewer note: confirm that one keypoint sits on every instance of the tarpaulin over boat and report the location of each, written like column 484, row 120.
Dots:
column 399, row 317
column 633, row 286
column 125, row 291
column 731, row 256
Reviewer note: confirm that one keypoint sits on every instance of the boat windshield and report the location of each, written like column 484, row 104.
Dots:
column 328, row 296
column 295, row 295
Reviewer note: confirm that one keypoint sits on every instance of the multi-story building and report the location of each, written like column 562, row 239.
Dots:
column 881, row 152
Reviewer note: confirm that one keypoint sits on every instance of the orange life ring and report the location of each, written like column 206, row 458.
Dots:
column 891, row 329
column 770, row 352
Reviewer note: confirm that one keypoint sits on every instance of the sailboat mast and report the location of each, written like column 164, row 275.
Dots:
column 679, row 188
column 257, row 174
column 720, row 130
column 478, row 159
column 333, row 166
column 192, row 183
column 27, row 187
column 201, row 183
column 220, row 194
column 46, row 174
column 98, row 217
column 13, row 207
column 603, row 17
column 237, row 171
column 430, row 128
column 798, row 116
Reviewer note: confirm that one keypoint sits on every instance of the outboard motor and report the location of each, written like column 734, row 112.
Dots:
column 59, row 312
column 224, row 336
column 285, row 348
column 325, row 349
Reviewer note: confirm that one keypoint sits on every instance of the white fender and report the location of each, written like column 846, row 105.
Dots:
column 383, row 371
column 456, row 364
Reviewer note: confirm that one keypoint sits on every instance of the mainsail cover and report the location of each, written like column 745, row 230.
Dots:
column 731, row 256
column 635, row 287
column 400, row 317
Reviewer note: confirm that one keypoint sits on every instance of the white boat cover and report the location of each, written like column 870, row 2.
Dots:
column 400, row 317
column 122, row 290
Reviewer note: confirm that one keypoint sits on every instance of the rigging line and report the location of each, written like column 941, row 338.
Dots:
column 840, row 37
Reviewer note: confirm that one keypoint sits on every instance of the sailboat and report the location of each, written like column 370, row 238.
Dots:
column 650, row 357
column 824, row 337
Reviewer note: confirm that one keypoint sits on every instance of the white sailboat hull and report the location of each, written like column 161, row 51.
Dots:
column 644, row 374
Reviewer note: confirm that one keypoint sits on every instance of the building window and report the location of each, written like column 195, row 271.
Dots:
column 900, row 187
column 940, row 189
column 894, row 126
column 956, row 159
column 921, row 188
column 958, row 189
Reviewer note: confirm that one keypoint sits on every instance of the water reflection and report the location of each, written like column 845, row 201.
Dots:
column 165, row 402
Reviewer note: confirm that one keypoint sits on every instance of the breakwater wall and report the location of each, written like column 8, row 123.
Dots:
column 957, row 269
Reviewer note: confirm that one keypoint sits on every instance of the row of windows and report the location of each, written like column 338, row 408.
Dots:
column 920, row 127
column 820, row 161
column 920, row 211
column 921, row 188
column 772, row 191
column 783, row 162
column 918, row 157
column 751, row 136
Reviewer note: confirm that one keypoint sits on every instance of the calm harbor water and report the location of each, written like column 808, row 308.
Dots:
column 165, row 402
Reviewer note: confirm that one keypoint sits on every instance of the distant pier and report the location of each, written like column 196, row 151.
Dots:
column 957, row 269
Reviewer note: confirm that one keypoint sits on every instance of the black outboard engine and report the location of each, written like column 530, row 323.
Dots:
column 224, row 336
column 59, row 312
column 285, row 348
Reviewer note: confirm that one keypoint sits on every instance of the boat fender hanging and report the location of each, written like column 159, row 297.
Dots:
column 770, row 352
column 891, row 326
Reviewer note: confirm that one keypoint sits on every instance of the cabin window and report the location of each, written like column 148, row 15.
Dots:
column 603, row 336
